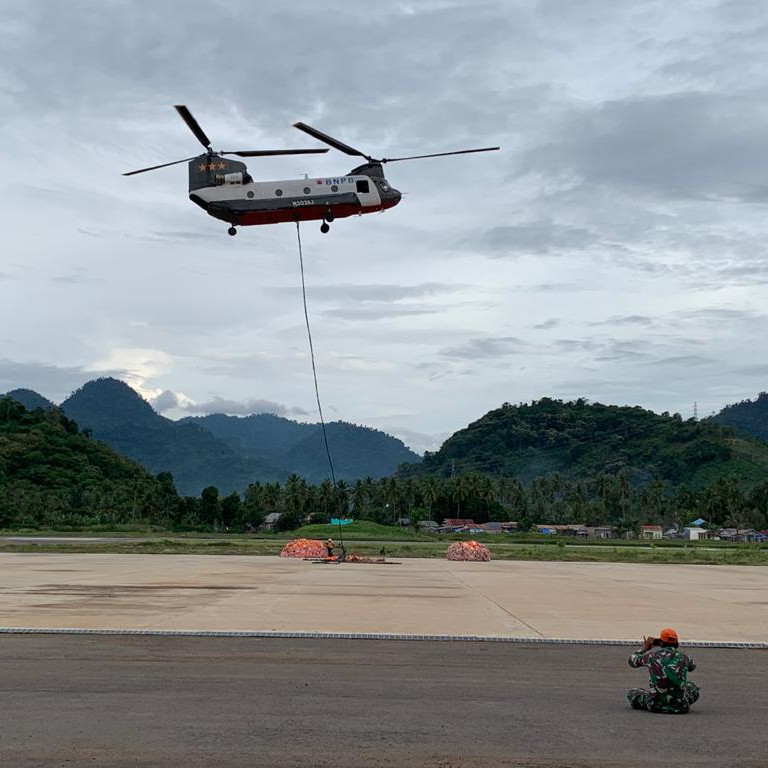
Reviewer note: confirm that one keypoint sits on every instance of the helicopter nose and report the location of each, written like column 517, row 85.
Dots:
column 393, row 196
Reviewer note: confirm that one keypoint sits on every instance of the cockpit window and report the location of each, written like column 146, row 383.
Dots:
column 384, row 186
column 363, row 186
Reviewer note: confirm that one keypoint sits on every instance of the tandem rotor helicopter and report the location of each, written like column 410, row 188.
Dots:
column 225, row 190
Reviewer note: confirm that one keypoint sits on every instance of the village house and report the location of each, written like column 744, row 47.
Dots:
column 651, row 531
column 270, row 521
column 602, row 532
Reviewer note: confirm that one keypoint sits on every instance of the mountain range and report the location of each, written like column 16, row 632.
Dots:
column 581, row 440
column 576, row 439
column 228, row 452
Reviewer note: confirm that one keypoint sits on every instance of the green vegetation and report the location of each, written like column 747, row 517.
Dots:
column 582, row 440
column 742, row 554
column 749, row 417
column 224, row 451
column 53, row 476
column 361, row 530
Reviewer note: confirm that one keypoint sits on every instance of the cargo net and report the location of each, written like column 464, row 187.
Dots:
column 310, row 548
column 467, row 550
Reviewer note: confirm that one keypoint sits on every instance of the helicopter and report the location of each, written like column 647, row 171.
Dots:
column 224, row 189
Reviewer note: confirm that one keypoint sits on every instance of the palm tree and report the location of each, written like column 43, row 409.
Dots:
column 325, row 496
column 295, row 494
column 463, row 488
column 625, row 490
column 391, row 492
column 359, row 499
column 341, row 499
column 430, row 490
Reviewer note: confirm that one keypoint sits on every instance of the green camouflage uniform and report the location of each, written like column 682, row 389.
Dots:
column 670, row 692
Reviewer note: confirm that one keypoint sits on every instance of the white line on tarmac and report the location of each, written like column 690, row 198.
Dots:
column 358, row 636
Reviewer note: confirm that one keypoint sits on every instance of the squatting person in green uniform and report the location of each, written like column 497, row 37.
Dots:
column 670, row 690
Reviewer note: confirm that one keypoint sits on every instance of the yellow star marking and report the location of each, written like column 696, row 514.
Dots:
column 222, row 166
column 201, row 167
column 212, row 167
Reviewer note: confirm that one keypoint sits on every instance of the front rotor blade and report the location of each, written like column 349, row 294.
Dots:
column 324, row 137
column 186, row 116
column 268, row 152
column 155, row 167
column 439, row 154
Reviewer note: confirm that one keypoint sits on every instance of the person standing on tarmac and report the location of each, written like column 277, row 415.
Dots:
column 670, row 690
column 329, row 547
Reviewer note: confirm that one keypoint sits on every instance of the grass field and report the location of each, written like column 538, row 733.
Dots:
column 361, row 531
column 623, row 552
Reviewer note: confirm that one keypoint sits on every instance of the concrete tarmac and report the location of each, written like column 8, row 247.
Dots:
column 150, row 701
column 419, row 596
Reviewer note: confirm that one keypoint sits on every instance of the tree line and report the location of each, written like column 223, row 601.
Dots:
column 52, row 475
column 604, row 500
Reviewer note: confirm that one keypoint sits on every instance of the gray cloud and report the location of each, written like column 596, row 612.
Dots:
column 619, row 320
column 577, row 345
column 244, row 408
column 624, row 350
column 418, row 441
column 52, row 381
column 633, row 149
column 694, row 145
column 684, row 360
column 719, row 314
column 537, row 237
column 165, row 401
column 551, row 288
column 553, row 322
column 77, row 278
column 380, row 311
column 374, row 292
column 759, row 369
column 486, row 348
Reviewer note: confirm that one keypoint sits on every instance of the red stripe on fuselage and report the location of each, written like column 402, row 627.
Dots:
column 300, row 213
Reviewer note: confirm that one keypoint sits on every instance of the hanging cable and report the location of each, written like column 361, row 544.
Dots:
column 314, row 377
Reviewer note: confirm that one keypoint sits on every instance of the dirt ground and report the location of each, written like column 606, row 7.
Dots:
column 502, row 598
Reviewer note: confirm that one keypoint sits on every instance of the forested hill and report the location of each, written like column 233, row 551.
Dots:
column 30, row 399
column 51, row 474
column 749, row 417
column 227, row 451
column 125, row 421
column 357, row 452
column 261, row 435
column 298, row 448
column 582, row 440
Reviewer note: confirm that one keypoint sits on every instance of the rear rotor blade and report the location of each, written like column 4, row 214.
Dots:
column 155, row 167
column 439, row 154
column 186, row 116
column 324, row 137
column 268, row 152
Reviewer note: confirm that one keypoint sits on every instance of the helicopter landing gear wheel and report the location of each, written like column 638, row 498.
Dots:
column 231, row 231
column 329, row 217
column 324, row 228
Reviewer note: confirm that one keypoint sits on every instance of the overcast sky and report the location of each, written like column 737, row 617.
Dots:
column 615, row 249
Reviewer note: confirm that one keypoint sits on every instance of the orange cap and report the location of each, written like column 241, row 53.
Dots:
column 668, row 635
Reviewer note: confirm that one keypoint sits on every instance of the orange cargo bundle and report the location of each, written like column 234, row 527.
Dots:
column 468, row 550
column 303, row 548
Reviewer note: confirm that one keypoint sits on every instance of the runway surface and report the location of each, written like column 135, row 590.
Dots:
column 149, row 701
column 417, row 596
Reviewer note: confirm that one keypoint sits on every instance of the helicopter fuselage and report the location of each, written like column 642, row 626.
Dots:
column 226, row 191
